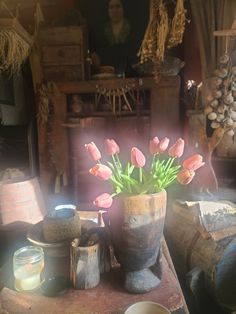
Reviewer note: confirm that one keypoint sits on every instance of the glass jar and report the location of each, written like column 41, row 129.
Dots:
column 28, row 264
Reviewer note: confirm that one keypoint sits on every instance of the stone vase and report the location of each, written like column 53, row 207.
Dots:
column 136, row 226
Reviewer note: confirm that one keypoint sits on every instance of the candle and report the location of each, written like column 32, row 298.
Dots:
column 29, row 282
column 28, row 264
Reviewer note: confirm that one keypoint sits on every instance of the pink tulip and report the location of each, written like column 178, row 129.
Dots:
column 193, row 163
column 103, row 201
column 101, row 171
column 111, row 147
column 163, row 145
column 185, row 176
column 93, row 151
column 177, row 149
column 153, row 145
column 137, row 158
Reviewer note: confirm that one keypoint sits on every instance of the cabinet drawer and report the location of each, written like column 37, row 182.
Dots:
column 62, row 35
column 61, row 55
column 65, row 73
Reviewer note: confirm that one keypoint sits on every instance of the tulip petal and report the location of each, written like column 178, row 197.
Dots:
column 163, row 144
column 177, row 149
column 103, row 201
column 194, row 162
column 93, row 151
column 111, row 147
column 153, row 145
column 138, row 159
column 101, row 171
column 185, row 176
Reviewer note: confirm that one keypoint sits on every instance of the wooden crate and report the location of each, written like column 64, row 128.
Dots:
column 63, row 51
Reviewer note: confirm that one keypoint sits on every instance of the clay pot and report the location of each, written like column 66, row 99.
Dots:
column 61, row 224
column 136, row 225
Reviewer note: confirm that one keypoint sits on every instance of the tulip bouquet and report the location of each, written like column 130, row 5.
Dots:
column 133, row 177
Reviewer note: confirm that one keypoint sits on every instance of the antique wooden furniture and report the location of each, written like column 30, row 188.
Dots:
column 63, row 51
column 160, row 117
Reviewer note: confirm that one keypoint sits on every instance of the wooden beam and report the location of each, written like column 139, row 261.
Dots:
column 227, row 32
column 29, row 3
column 12, row 23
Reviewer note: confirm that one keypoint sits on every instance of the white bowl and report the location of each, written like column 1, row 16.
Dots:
column 147, row 307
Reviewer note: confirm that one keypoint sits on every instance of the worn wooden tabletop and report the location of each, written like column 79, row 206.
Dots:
column 108, row 297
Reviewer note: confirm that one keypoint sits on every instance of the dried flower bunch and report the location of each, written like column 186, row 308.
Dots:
column 162, row 33
column 133, row 178
column 221, row 103
column 15, row 42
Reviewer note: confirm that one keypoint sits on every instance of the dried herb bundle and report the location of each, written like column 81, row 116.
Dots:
column 13, row 50
column 162, row 33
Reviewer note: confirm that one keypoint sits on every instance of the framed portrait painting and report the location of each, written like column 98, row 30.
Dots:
column 116, row 29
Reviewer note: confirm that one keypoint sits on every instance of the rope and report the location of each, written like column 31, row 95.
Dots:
column 4, row 6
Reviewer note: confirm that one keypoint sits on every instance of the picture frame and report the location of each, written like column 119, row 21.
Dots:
column 121, row 52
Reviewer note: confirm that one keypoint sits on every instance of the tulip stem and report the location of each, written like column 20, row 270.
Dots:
column 118, row 161
column 153, row 162
column 116, row 167
column 169, row 163
column 140, row 175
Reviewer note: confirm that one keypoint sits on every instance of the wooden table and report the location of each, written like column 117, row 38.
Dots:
column 108, row 297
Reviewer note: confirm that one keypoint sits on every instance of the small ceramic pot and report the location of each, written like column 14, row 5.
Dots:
column 147, row 307
column 61, row 224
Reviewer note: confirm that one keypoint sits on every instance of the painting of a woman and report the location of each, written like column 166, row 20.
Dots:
column 114, row 42
column 117, row 28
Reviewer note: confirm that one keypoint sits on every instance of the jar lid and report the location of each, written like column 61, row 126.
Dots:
column 28, row 254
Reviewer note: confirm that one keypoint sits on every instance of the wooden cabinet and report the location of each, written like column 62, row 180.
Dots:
column 164, row 99
column 159, row 116
column 63, row 52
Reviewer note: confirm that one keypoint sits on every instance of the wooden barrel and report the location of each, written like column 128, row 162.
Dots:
column 214, row 254
column 21, row 201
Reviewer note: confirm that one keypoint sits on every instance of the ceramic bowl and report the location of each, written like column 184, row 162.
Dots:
column 147, row 307
column 107, row 69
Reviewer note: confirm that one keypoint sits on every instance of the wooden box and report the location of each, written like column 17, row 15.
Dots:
column 63, row 51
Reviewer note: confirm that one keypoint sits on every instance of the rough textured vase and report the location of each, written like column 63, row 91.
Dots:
column 136, row 225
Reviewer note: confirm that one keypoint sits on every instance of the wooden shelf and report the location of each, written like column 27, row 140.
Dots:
column 134, row 113
column 77, row 87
